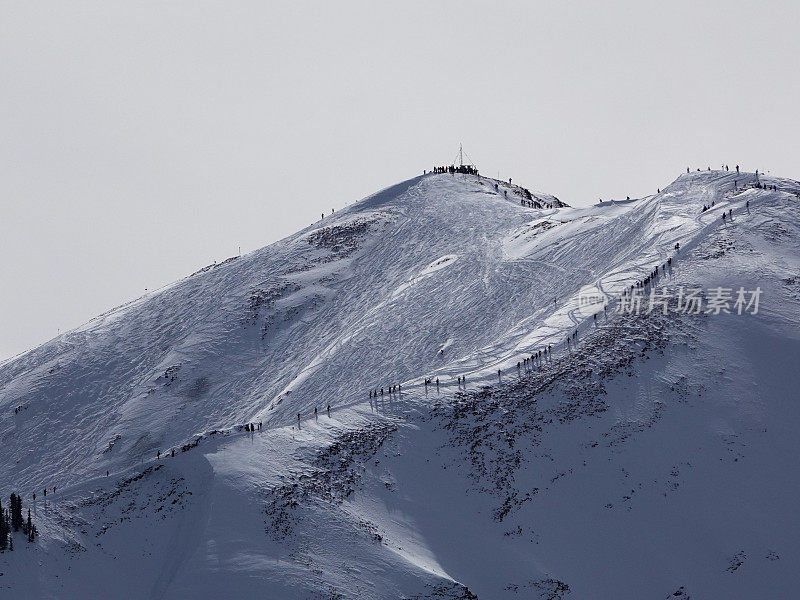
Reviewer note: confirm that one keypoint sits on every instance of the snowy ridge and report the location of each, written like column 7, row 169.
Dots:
column 523, row 485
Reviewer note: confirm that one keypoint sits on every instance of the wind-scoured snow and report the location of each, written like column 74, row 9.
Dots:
column 653, row 457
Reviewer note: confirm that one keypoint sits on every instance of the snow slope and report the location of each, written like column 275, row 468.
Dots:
column 656, row 455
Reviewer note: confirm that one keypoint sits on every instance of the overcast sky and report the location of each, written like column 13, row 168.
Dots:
column 140, row 141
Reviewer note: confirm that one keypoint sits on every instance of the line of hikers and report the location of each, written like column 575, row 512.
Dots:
column 536, row 357
column 316, row 414
column 722, row 168
column 654, row 274
column 725, row 168
column 390, row 390
column 45, row 493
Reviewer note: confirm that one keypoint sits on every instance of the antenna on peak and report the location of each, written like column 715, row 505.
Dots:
column 467, row 169
column 460, row 157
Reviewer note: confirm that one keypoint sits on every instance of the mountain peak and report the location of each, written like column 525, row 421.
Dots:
column 416, row 368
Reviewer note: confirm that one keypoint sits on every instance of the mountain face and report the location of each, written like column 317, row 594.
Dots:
column 648, row 454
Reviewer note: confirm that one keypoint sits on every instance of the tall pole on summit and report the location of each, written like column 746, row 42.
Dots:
column 461, row 154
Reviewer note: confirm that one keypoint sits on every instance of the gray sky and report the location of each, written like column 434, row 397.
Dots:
column 140, row 141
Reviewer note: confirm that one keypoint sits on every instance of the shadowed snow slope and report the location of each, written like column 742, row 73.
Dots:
column 654, row 454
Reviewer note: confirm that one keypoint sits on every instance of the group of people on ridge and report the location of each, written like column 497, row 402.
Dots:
column 466, row 169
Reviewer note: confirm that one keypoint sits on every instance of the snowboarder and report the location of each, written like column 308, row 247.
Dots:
column 315, row 414
column 329, row 410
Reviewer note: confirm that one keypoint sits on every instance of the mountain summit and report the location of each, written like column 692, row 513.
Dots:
column 413, row 398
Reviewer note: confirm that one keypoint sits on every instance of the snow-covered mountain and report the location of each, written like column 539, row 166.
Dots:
column 651, row 456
